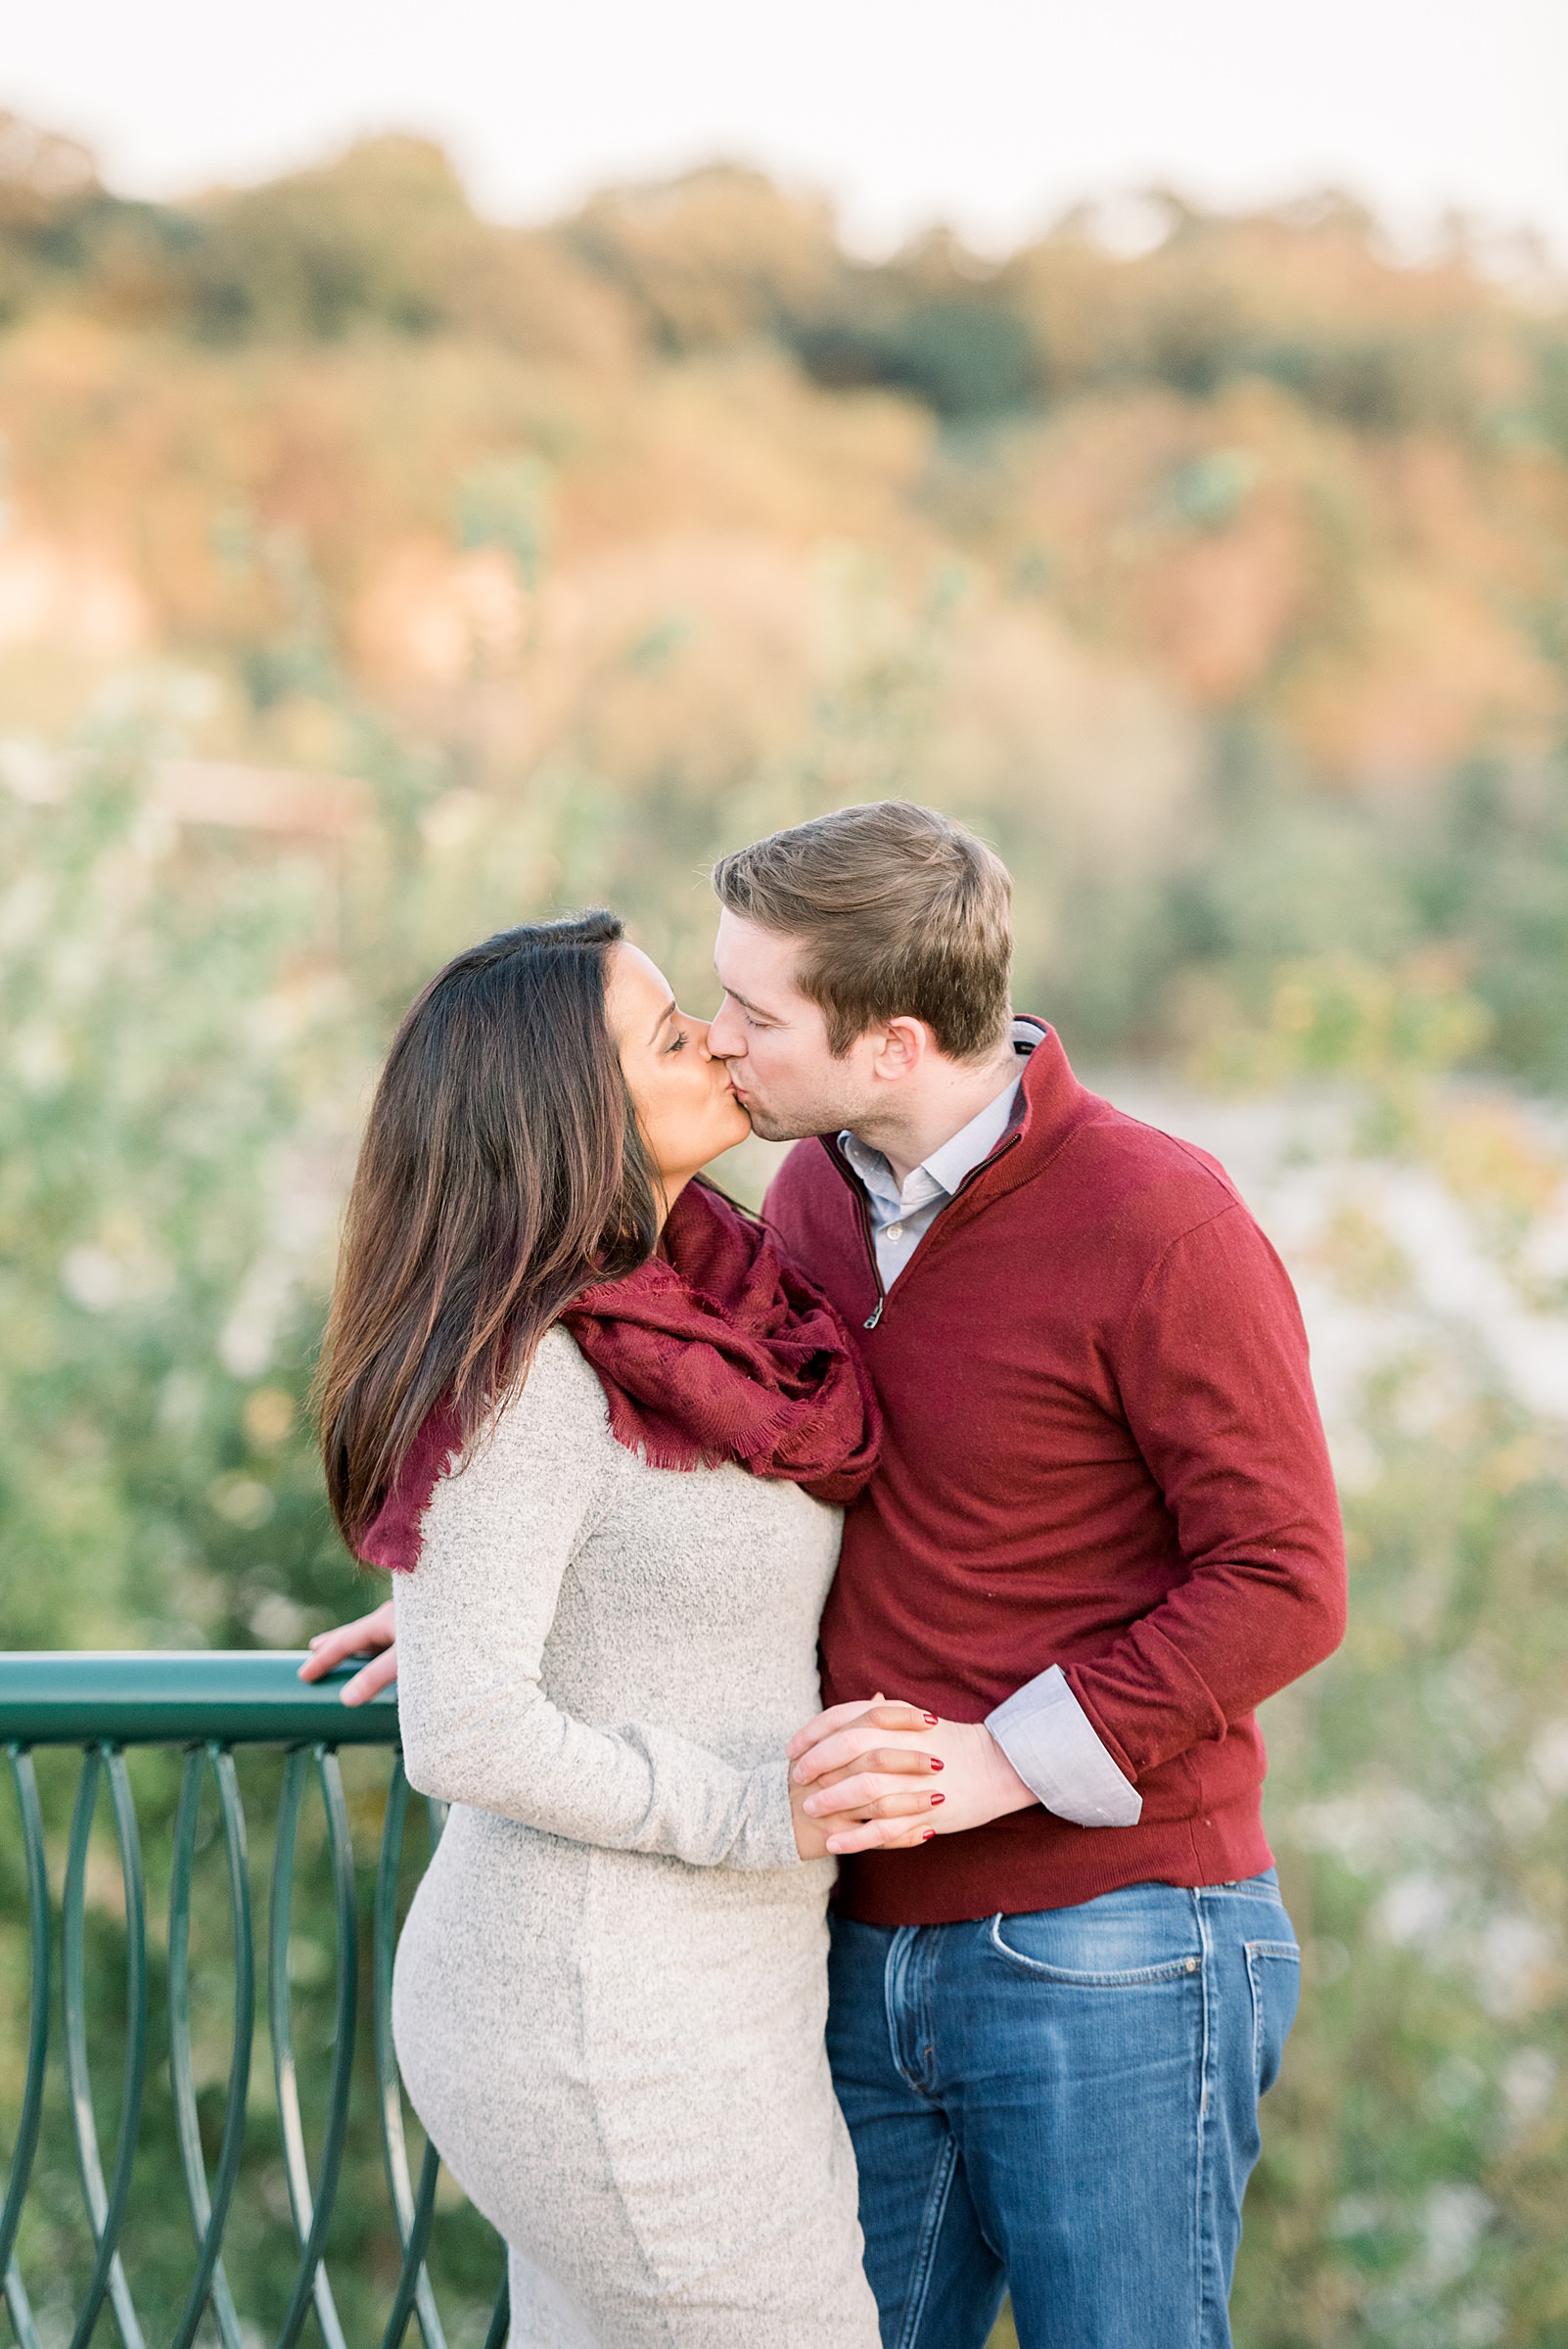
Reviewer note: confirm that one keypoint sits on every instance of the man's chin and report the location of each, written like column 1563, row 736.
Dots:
column 770, row 1129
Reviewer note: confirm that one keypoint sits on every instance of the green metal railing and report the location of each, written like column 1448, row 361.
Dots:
column 210, row 1704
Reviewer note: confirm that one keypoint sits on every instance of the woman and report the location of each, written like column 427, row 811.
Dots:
column 575, row 1399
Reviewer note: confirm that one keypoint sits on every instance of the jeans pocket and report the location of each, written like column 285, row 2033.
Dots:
column 1273, row 1970
column 1045, row 1946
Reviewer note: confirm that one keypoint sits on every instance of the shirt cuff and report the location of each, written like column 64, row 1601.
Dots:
column 1048, row 1738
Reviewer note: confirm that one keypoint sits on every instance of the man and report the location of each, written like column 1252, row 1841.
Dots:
column 1103, row 1529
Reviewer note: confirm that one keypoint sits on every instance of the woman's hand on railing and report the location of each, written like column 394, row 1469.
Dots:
column 376, row 1631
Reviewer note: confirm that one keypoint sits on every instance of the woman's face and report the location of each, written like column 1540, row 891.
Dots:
column 687, row 1108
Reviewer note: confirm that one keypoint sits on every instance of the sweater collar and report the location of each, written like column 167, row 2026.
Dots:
column 1050, row 1097
column 941, row 1171
column 1047, row 1106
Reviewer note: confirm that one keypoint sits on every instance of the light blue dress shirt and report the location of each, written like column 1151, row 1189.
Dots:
column 1043, row 1729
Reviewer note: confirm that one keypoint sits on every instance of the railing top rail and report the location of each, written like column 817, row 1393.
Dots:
column 240, row 1696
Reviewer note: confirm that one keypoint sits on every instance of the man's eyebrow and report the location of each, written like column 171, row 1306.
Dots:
column 746, row 1002
column 669, row 1013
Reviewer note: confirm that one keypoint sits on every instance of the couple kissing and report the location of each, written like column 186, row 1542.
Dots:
column 838, row 1633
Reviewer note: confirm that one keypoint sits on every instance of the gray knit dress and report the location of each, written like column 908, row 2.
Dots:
column 611, row 1990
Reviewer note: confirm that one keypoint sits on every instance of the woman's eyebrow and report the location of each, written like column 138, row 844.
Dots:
column 665, row 1016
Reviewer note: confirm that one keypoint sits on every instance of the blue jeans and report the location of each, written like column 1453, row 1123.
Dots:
column 1062, row 2104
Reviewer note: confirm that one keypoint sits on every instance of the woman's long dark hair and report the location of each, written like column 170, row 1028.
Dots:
column 501, row 1175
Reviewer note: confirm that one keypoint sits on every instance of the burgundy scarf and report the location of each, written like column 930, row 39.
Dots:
column 716, row 1350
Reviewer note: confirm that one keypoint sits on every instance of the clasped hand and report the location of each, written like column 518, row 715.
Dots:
column 862, row 1779
column 861, row 1775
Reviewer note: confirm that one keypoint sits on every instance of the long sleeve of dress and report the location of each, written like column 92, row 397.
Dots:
column 473, row 1623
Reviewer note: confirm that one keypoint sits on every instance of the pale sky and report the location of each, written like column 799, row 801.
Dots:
column 992, row 115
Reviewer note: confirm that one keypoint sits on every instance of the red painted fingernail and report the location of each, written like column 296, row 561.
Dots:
column 931, row 1720
column 936, row 1764
column 938, row 1798
column 929, row 1833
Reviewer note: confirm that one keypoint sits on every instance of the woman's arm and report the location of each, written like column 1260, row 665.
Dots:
column 473, row 1619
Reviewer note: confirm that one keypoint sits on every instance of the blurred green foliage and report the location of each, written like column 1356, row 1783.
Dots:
column 156, row 1039
column 1416, row 2155
column 1414, row 2150
column 385, row 237
column 1467, row 895
column 190, row 1024
column 183, row 1058
column 1219, row 577
column 592, row 549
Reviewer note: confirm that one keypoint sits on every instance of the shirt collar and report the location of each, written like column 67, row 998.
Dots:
column 973, row 1142
column 947, row 1165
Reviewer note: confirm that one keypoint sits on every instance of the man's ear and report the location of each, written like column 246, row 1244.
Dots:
column 903, row 1047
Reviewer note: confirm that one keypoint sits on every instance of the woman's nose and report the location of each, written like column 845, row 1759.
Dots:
column 700, row 1028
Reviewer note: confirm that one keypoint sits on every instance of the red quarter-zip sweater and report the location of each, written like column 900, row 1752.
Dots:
column 1101, row 1451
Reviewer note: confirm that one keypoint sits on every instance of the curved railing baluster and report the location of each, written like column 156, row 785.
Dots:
column 209, row 2212
column 312, row 2200
column 105, row 2208
column 214, row 1704
column 27, row 2146
column 20, row 2308
column 413, row 2212
column 501, row 2315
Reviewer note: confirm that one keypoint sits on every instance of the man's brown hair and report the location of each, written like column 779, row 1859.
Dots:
column 900, row 913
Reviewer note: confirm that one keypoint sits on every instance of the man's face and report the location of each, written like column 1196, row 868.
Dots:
column 774, row 1040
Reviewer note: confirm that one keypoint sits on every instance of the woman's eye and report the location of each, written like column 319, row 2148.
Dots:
column 678, row 1040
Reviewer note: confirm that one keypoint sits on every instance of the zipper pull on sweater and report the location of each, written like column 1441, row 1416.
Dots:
column 876, row 1317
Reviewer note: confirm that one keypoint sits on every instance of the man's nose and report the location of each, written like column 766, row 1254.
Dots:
column 723, row 1037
